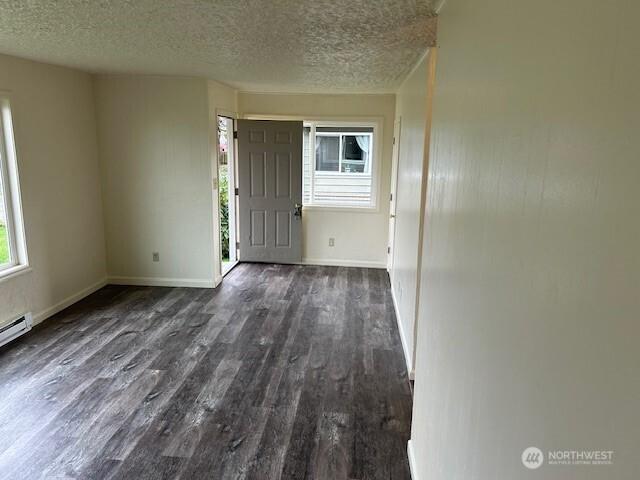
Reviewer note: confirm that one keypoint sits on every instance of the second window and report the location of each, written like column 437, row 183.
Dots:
column 339, row 165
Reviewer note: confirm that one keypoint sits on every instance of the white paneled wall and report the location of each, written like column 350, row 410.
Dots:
column 528, row 332
column 411, row 108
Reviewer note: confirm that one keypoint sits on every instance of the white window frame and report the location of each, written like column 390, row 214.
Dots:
column 11, row 193
column 374, row 160
column 340, row 135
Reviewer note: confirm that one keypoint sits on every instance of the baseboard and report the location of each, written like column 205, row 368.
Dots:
column 162, row 282
column 67, row 302
column 343, row 263
column 405, row 348
column 412, row 461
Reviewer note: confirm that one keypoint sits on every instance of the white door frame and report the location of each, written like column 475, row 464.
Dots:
column 218, row 273
column 232, row 163
column 393, row 197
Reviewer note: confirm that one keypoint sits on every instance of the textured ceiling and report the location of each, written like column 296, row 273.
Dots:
column 264, row 45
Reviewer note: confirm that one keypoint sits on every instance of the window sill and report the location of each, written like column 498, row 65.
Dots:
column 326, row 173
column 338, row 208
column 13, row 272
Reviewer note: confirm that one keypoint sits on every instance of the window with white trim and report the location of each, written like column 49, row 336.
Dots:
column 339, row 164
column 13, row 253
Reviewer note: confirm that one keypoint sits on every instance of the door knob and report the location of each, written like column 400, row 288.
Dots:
column 298, row 210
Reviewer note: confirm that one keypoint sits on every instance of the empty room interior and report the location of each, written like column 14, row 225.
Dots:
column 359, row 240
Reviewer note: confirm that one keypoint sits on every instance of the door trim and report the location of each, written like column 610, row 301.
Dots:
column 395, row 163
column 214, row 185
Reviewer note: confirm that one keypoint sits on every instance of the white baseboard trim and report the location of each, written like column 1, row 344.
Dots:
column 162, row 282
column 412, row 461
column 405, row 348
column 343, row 263
column 67, row 302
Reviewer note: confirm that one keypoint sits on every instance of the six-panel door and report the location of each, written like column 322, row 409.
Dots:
column 270, row 190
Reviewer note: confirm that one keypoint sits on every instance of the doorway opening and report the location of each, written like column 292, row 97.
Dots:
column 226, row 194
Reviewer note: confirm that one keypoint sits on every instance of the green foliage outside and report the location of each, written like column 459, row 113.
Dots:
column 224, row 211
column 4, row 245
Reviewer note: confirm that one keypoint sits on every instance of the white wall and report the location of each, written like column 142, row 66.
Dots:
column 528, row 334
column 55, row 133
column 222, row 98
column 411, row 109
column 156, row 164
column 158, row 159
column 360, row 236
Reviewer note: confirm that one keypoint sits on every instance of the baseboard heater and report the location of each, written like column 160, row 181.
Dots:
column 15, row 328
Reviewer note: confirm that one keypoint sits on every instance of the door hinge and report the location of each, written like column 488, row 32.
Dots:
column 236, row 191
column 394, row 140
column 388, row 249
column 235, row 134
column 391, row 197
column 237, row 245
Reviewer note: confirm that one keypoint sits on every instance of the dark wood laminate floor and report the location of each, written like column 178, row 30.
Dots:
column 285, row 372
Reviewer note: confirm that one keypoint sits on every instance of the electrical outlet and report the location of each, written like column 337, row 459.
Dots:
column 332, row 242
column 156, row 256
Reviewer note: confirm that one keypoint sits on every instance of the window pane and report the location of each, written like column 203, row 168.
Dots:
column 10, row 213
column 4, row 236
column 344, row 165
column 355, row 153
column 327, row 153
